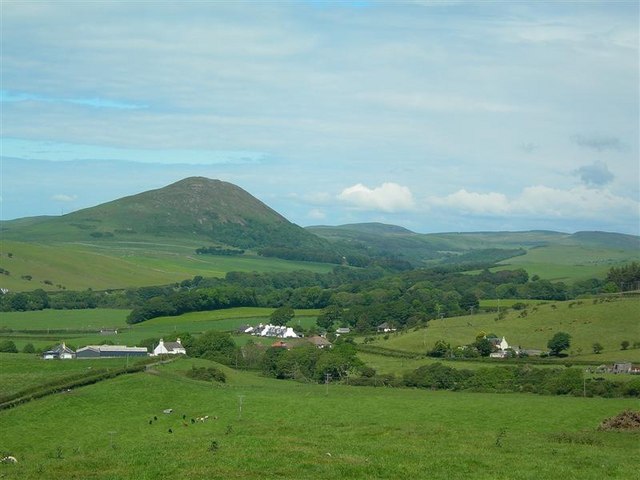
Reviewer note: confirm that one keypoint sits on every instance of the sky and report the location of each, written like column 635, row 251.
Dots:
column 438, row 116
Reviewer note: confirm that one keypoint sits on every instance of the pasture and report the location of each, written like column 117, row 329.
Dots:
column 124, row 264
column 20, row 371
column 305, row 431
column 609, row 323
column 568, row 263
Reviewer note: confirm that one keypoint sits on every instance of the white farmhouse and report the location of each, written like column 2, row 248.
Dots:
column 169, row 348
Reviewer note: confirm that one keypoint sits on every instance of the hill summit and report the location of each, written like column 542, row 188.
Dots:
column 194, row 207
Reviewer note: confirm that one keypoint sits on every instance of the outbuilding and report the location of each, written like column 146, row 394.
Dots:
column 110, row 351
column 61, row 352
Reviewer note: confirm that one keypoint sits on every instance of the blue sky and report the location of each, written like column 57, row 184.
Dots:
column 433, row 115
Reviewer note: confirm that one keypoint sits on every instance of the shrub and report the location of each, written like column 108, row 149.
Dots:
column 207, row 374
column 8, row 346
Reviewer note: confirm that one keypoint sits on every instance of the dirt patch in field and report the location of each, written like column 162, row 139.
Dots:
column 627, row 420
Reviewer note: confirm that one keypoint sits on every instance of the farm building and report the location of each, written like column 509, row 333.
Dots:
column 275, row 331
column 319, row 342
column 169, row 348
column 343, row 330
column 110, row 351
column 621, row 368
column 501, row 347
column 385, row 328
column 60, row 352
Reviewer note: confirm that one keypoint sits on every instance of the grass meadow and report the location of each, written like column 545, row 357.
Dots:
column 124, row 264
column 568, row 263
column 307, row 431
column 20, row 371
column 608, row 323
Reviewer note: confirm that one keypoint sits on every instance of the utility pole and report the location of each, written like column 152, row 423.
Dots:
column 111, row 434
column 240, row 399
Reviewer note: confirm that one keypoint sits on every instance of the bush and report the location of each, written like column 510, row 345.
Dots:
column 207, row 374
column 8, row 346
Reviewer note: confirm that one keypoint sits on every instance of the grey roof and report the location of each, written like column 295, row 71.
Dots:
column 113, row 348
column 61, row 349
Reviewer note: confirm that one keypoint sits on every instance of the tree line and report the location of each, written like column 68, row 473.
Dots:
column 361, row 298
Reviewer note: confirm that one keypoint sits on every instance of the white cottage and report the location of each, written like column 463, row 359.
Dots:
column 169, row 348
column 502, row 346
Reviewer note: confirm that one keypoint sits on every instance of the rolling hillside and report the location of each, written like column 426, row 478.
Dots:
column 151, row 238
column 193, row 208
column 587, row 321
column 551, row 255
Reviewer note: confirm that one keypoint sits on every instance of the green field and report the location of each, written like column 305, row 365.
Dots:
column 569, row 263
column 19, row 371
column 104, row 265
column 40, row 324
column 298, row 431
column 608, row 323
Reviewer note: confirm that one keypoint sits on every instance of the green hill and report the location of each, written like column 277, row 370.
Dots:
column 193, row 208
column 551, row 255
column 609, row 323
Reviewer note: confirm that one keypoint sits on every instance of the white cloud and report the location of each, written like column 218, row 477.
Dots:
column 540, row 201
column 471, row 202
column 317, row 214
column 61, row 197
column 389, row 197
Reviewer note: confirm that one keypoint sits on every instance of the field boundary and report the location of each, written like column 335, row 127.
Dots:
column 70, row 382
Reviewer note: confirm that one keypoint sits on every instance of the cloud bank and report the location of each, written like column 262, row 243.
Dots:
column 388, row 197
column 540, row 201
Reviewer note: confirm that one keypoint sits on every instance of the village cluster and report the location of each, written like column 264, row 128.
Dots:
column 502, row 349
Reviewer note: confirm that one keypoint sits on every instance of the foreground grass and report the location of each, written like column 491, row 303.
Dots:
column 290, row 430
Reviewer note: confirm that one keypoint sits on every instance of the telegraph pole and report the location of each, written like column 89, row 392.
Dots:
column 240, row 398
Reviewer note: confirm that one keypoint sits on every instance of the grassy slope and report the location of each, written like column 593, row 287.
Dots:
column 608, row 323
column 103, row 265
column 290, row 430
column 569, row 263
column 20, row 370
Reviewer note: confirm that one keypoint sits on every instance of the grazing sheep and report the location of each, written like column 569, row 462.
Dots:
column 150, row 422
column 170, row 431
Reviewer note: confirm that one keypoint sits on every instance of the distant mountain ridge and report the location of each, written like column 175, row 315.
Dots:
column 214, row 212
